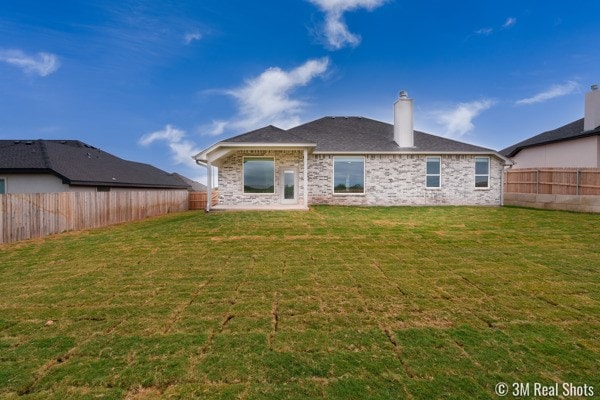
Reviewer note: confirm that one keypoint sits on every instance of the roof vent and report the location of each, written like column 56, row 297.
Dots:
column 17, row 142
column 594, row 87
column 29, row 143
column 404, row 94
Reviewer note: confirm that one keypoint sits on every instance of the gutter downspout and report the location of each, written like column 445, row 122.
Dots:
column 502, row 187
column 208, row 186
column 305, row 175
column 208, row 166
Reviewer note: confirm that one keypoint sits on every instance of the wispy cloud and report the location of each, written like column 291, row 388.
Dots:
column 191, row 37
column 510, row 21
column 267, row 98
column 181, row 148
column 335, row 30
column 484, row 31
column 458, row 120
column 553, row 92
column 42, row 64
column 487, row 31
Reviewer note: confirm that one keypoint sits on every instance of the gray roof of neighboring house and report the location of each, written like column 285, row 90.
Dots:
column 352, row 134
column 77, row 163
column 194, row 185
column 573, row 130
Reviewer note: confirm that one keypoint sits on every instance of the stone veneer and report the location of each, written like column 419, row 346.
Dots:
column 389, row 180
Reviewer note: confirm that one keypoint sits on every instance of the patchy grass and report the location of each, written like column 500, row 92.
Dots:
column 337, row 303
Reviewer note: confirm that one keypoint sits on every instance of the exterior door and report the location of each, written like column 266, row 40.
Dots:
column 289, row 186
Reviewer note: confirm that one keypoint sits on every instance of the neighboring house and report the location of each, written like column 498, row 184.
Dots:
column 574, row 145
column 194, row 186
column 48, row 166
column 352, row 161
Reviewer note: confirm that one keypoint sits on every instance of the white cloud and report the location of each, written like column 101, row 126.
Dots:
column 182, row 150
column 42, row 64
column 335, row 30
column 510, row 21
column 484, row 31
column 551, row 93
column 267, row 98
column 191, row 36
column 487, row 31
column 458, row 121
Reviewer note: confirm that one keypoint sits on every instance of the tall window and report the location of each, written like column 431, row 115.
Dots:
column 2, row 186
column 348, row 175
column 482, row 172
column 433, row 175
column 259, row 175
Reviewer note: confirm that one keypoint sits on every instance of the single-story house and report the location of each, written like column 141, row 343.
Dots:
column 352, row 161
column 194, row 186
column 574, row 145
column 49, row 166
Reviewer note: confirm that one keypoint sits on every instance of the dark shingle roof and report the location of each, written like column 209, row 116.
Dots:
column 569, row 131
column 358, row 134
column 77, row 163
column 268, row 134
column 349, row 135
column 195, row 186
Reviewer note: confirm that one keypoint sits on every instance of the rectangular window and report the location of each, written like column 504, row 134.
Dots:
column 433, row 175
column 348, row 175
column 2, row 186
column 482, row 172
column 259, row 175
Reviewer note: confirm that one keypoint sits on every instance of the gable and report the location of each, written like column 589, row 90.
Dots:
column 570, row 131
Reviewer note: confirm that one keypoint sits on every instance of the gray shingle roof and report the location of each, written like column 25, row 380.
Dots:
column 358, row 134
column 573, row 130
column 268, row 134
column 77, row 163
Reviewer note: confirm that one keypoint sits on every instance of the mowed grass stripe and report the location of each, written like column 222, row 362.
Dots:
column 337, row 302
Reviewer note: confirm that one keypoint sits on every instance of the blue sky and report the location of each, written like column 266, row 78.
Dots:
column 156, row 81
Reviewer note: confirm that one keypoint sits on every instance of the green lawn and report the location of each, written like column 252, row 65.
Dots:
column 336, row 303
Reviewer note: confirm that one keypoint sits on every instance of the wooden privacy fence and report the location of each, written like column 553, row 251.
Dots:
column 33, row 215
column 563, row 181
column 198, row 200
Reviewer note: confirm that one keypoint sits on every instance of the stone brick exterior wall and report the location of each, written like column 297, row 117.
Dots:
column 400, row 180
column 389, row 180
column 231, row 191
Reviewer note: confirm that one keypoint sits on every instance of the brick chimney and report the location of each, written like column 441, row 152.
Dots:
column 403, row 121
column 591, row 118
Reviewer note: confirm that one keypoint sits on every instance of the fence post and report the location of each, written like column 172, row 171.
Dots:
column 537, row 181
column 577, row 190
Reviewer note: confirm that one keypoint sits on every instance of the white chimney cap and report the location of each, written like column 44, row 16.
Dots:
column 403, row 94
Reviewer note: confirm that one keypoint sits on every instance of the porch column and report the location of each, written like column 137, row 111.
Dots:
column 305, row 175
column 208, row 185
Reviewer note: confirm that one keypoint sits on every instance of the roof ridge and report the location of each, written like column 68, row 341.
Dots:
column 45, row 155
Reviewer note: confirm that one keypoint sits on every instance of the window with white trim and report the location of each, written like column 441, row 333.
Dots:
column 433, row 175
column 349, row 175
column 259, row 175
column 2, row 185
column 482, row 172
